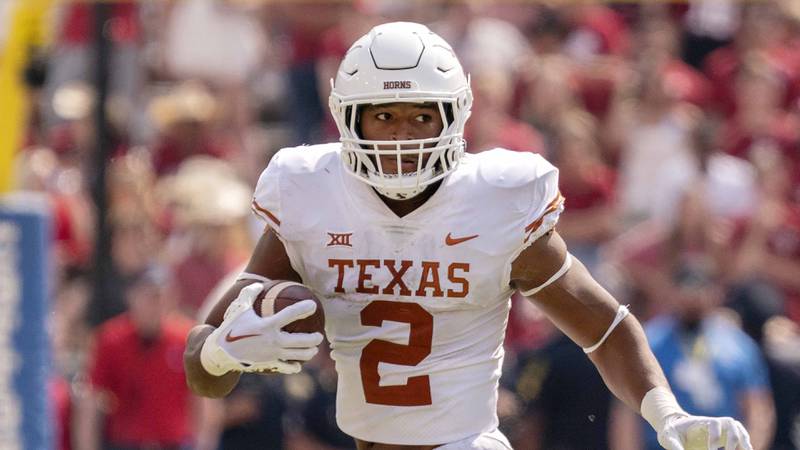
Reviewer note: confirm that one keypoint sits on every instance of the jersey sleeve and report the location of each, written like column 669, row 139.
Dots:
column 545, row 203
column 267, row 197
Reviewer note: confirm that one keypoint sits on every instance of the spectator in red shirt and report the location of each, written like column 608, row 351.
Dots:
column 139, row 398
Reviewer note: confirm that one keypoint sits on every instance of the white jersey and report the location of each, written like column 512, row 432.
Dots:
column 415, row 307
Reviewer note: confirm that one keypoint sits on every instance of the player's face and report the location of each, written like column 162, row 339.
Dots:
column 401, row 121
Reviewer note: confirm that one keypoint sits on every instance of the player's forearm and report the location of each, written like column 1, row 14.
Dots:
column 627, row 365
column 199, row 381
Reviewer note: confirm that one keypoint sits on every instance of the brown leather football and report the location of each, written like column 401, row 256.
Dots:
column 285, row 293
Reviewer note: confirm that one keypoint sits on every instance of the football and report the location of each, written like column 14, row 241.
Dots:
column 284, row 293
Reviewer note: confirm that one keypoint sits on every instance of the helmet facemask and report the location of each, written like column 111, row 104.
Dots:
column 436, row 156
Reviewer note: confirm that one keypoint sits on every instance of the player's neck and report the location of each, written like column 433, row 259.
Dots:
column 404, row 207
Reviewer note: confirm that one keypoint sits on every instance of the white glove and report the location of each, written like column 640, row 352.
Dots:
column 245, row 342
column 682, row 432
column 677, row 430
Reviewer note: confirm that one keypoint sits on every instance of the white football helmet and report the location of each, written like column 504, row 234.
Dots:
column 401, row 62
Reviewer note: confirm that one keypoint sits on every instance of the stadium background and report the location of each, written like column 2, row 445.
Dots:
column 132, row 133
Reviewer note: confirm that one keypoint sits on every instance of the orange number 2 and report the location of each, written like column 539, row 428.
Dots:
column 417, row 390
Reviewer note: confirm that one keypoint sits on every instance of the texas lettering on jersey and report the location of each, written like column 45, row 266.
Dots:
column 429, row 283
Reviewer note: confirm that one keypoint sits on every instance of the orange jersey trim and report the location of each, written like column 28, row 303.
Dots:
column 258, row 208
column 550, row 208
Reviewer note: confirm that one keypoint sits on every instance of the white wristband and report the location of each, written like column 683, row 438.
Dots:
column 212, row 355
column 658, row 404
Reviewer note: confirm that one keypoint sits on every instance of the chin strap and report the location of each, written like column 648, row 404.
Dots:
column 399, row 192
column 395, row 195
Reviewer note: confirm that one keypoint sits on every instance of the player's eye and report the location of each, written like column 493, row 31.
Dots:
column 383, row 116
column 424, row 118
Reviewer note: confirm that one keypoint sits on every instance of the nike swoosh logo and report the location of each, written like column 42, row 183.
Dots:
column 450, row 240
column 229, row 338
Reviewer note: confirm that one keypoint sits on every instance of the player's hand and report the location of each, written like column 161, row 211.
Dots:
column 683, row 432
column 246, row 342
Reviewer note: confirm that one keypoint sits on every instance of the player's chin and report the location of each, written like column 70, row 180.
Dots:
column 408, row 169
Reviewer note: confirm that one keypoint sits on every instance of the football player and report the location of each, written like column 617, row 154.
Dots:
column 413, row 248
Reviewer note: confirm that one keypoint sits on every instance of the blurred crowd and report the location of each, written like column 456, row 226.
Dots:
column 676, row 129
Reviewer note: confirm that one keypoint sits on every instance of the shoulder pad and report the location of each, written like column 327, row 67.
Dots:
column 508, row 169
column 306, row 158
